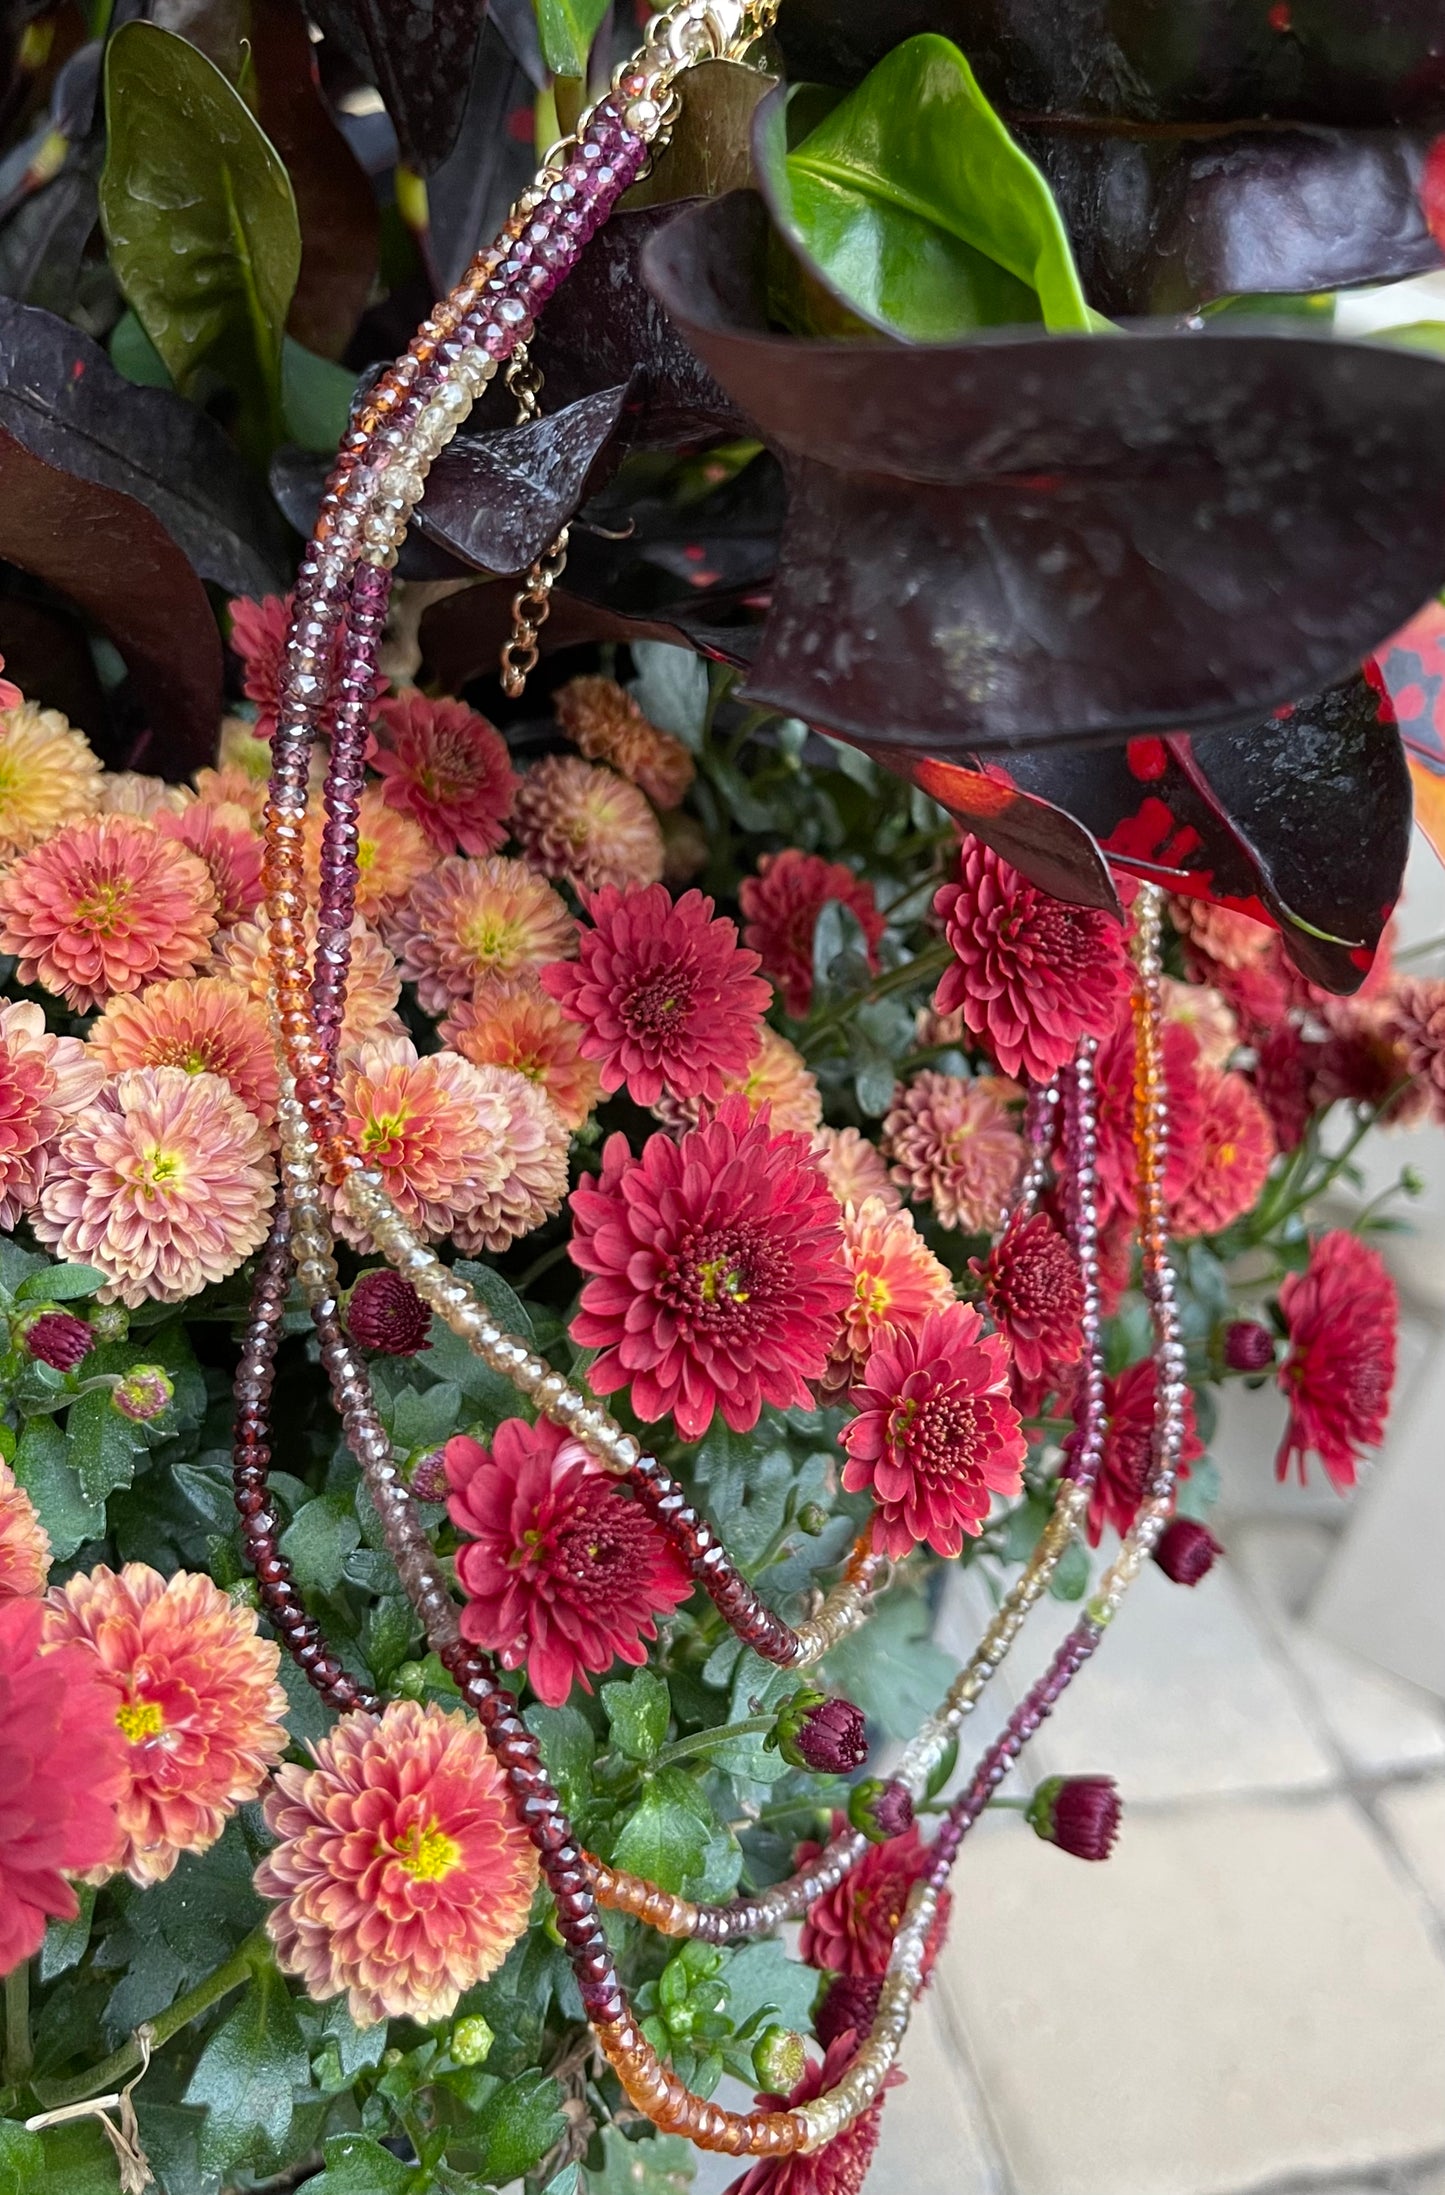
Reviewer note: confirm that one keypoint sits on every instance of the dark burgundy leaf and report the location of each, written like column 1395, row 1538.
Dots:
column 462, row 637
column 489, row 166
column 419, row 54
column 497, row 501
column 1038, row 835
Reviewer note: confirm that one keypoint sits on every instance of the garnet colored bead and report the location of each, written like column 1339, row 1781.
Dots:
column 1080, row 1814
column 1187, row 1551
column 59, row 1339
column 1248, row 1346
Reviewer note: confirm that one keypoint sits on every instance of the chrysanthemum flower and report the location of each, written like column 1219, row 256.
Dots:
column 1417, row 1023
column 1233, row 1154
column 1365, row 1060
column 242, row 770
column 511, row 1022
column 134, row 793
column 1283, row 1075
column 472, row 920
column 49, row 775
column 224, row 839
column 561, row 1571
column 840, row 2167
column 522, row 1178
column 1229, row 939
column 1207, row 1014
column 604, row 722
column 385, row 1313
column 58, row 1338
column 853, row 1168
column 163, row 1183
column 205, row 1024
column 781, row 906
column 1031, row 975
column 936, row 1435
column 954, row 1146
column 194, row 1694
column 373, row 979
column 665, row 996
column 850, row 1929
column 258, row 635
column 897, row 1282
column 1035, row 1294
column 448, row 769
column 10, row 694
column 1238, row 956
column 402, row 1874
column 393, row 852
column 719, row 1276
column 1342, row 1316
column 586, row 826
column 64, row 1770
column 1127, row 1458
column 44, row 1081
column 777, row 1078
column 1116, row 1160
column 24, row 1542
column 106, row 905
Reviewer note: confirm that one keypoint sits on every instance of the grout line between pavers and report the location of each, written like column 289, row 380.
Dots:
column 1394, row 2176
column 975, row 2099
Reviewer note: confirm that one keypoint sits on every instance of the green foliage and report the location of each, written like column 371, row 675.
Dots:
column 568, row 28
column 246, row 2076
column 638, row 1713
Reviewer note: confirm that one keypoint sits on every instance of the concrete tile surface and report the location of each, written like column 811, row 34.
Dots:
column 1414, row 1817
column 1379, row 1723
column 934, row 2139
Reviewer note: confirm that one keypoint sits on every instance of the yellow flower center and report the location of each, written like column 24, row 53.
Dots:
column 1228, row 1153
column 365, row 854
column 140, row 1719
column 100, row 906
column 194, row 1061
column 158, row 1168
column 718, row 1276
column 383, row 1131
column 491, row 939
column 873, row 1293
column 429, row 1854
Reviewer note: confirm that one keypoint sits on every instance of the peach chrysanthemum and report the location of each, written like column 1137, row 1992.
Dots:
column 106, row 905
column 471, row 920
column 605, row 724
column 511, row 1022
column 196, row 1699
column 1198, row 1006
column 163, row 1184
column 49, row 775
column 853, row 1167
column 953, row 1146
column 206, row 1024
column 373, row 980
column 523, row 1178
column 132, row 793
column 221, row 835
column 402, row 1874
column 24, row 1543
column 586, row 826
column 447, row 768
column 392, row 853
column 776, row 1076
column 243, row 756
column 44, row 1080
column 896, row 1279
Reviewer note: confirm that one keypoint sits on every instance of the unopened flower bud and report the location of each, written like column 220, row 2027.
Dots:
column 1187, row 1551
column 409, row 1681
column 384, row 1313
column 1080, row 1814
column 881, row 1810
column 813, row 1731
column 143, row 1393
column 812, row 1519
column 851, row 2003
column 472, row 2040
column 59, row 1339
column 1248, row 1346
column 429, row 1477
column 779, row 2061
column 110, row 1322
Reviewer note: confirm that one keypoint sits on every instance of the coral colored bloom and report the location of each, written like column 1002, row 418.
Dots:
column 1031, row 975
column 1342, row 1316
column 10, row 695
column 606, row 725
column 781, row 906
column 1127, row 1457
column 48, row 775
column 393, row 853
column 1416, row 1020
column 511, row 1022
column 896, row 1280
column 1365, row 1060
column 258, row 636
column 561, row 1571
column 1229, row 939
column 523, row 1178
column 237, row 783
column 205, row 1024
column 1233, row 1153
column 402, row 1874
column 225, row 840
column 373, row 979
column 106, row 905
column 776, row 1079
column 936, row 1435
column 840, row 2167
column 470, row 921
column 1238, row 956
column 665, row 996
column 1116, row 1161
column 385, row 1313
column 586, row 826
column 44, row 1081
column 953, row 1146
column 24, row 1542
column 853, row 1168
column 850, row 1929
column 194, row 1694
column 1035, row 1294
column 163, row 1183
column 718, row 1272
column 448, row 769
column 1207, row 1014
column 64, row 1770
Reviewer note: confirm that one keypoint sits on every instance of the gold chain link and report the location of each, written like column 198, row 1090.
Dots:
column 532, row 603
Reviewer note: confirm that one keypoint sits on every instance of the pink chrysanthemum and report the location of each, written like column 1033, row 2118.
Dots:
column 1035, row 1295
column 106, row 905
column 606, row 725
column 1208, row 1016
column 241, row 775
column 1364, row 1060
column 781, row 906
column 258, row 635
column 48, row 775
column 1229, row 939
column 470, row 921
column 840, row 2167
column 205, row 1024
column 561, row 1571
column 402, row 1874
column 1416, row 1020
column 44, row 1081
column 776, row 1078
column 133, row 793
column 954, row 1146
column 1233, row 1153
column 521, row 1178
column 1238, row 956
column 24, row 1542
column 194, row 1694
column 896, row 1282
column 1342, row 1316
column 853, row 1168
column 224, row 839
column 850, row 1929
column 1283, row 1075
column 64, row 1770
column 163, row 1183
column 586, row 826
column 719, row 1276
column 448, row 769
column 1031, row 975
column 1117, row 1163
column 373, row 979
column 10, row 694
column 513, row 1023
column 1127, row 1458
column 393, row 853
column 665, row 996
column 936, row 1435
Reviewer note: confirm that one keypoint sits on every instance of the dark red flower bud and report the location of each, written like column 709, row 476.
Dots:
column 59, row 1339
column 1248, row 1346
column 385, row 1313
column 881, row 1810
column 826, row 1735
column 851, row 2001
column 1080, row 1814
column 1187, row 1551
column 429, row 1477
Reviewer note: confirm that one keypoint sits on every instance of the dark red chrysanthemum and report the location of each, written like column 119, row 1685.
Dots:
column 781, row 906
column 385, row 1313
column 849, row 2001
column 1248, row 1346
column 937, row 1434
column 59, row 1339
column 850, row 1929
column 448, row 769
column 1342, row 1316
column 1080, row 1814
column 1035, row 1293
column 1126, row 1463
column 1187, row 1551
column 1417, row 1022
column 1283, row 1075
column 666, row 997
column 841, row 2166
column 1365, row 1061
column 719, row 1275
column 1117, row 1164
column 1232, row 1153
column 561, row 1571
column 1030, row 975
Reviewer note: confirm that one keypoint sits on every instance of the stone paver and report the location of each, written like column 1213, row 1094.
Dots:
column 934, row 2139
column 1414, row 1816
column 1244, row 1994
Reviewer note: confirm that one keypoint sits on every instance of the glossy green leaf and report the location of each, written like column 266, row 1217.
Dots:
column 319, row 1539
column 638, row 1712
column 102, row 1445
column 316, row 396
column 66, row 1941
column 200, row 219
column 48, row 1474
column 356, row 2165
column 568, row 28
column 516, row 2126
column 915, row 206
column 245, row 2076
column 668, row 1834
column 60, row 1284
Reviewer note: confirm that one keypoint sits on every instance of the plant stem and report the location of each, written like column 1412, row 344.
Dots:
column 703, row 1741
column 238, row 1968
column 930, row 962
column 18, row 2051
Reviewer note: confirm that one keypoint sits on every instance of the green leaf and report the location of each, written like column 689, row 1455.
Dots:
column 915, row 205
column 315, row 397
column 59, row 1284
column 668, row 1834
column 761, row 1974
column 22, row 2155
column 657, row 2164
column 66, row 1941
column 49, row 1477
column 568, row 28
column 1070, row 1581
column 892, row 1669
column 133, row 354
column 101, row 1445
column 565, row 2182
column 356, row 2165
column 66, row 2160
column 244, row 2078
column 320, row 1537
column 568, row 1746
column 671, row 689
column 425, row 1417
column 516, row 2126
column 638, row 1712
column 200, row 220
